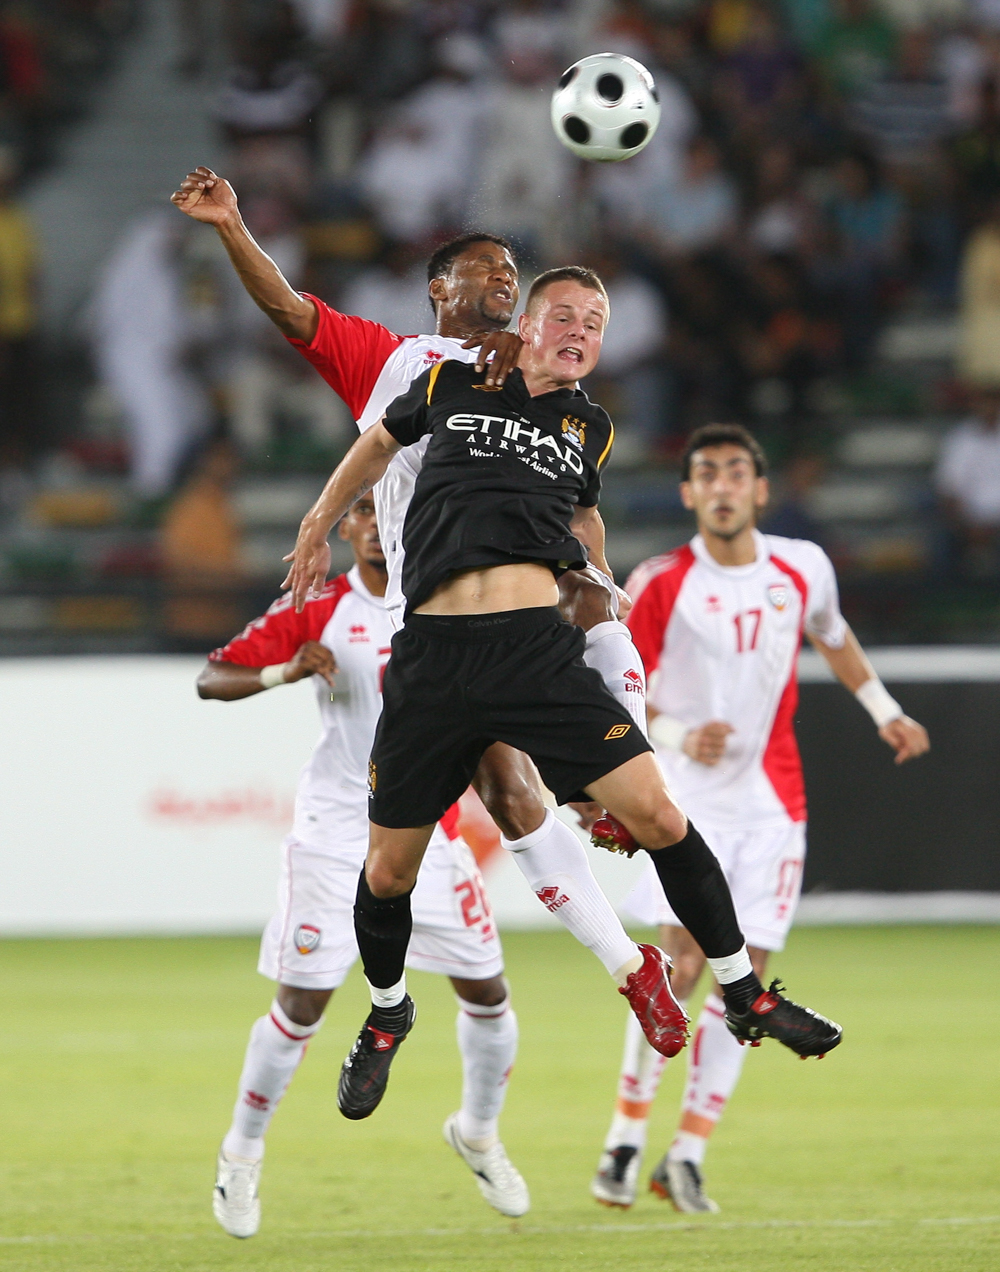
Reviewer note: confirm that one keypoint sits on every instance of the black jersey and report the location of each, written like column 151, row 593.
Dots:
column 501, row 477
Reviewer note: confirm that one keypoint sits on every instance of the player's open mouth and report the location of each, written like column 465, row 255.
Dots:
column 571, row 354
column 504, row 294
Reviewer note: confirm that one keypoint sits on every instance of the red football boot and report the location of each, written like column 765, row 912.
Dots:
column 664, row 1021
column 608, row 832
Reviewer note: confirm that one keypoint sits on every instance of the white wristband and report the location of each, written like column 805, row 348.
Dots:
column 878, row 702
column 273, row 675
column 668, row 732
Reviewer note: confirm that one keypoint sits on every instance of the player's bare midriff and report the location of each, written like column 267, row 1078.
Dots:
column 494, row 589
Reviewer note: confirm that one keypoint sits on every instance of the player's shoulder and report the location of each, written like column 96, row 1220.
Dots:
column 801, row 554
column 421, row 353
column 449, row 377
column 667, row 569
column 316, row 612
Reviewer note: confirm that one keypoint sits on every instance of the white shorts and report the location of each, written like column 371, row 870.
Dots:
column 309, row 942
column 764, row 871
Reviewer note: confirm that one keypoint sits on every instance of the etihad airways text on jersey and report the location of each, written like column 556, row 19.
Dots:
column 514, row 431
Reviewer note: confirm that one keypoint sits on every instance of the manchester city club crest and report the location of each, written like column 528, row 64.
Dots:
column 574, row 430
column 777, row 594
column 307, row 938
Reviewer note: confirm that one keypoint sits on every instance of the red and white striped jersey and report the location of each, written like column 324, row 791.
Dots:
column 369, row 366
column 722, row 643
column 354, row 625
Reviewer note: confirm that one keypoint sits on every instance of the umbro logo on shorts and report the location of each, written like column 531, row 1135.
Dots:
column 616, row 731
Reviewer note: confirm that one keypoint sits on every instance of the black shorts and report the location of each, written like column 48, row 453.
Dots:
column 456, row 685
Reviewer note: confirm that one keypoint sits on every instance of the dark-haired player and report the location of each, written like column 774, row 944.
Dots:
column 341, row 639
column 473, row 288
column 719, row 623
column 507, row 499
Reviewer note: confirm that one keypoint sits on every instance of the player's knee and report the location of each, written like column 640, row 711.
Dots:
column 387, row 878
column 304, row 1006
column 482, row 993
column 516, row 809
column 584, row 601
column 666, row 825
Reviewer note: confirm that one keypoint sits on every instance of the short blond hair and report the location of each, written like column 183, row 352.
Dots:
column 566, row 274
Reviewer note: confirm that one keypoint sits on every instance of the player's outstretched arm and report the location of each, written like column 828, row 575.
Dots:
column 205, row 197
column 353, row 477
column 851, row 667
column 228, row 681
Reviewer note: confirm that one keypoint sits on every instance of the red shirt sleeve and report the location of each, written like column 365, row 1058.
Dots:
column 278, row 635
column 348, row 352
column 654, row 586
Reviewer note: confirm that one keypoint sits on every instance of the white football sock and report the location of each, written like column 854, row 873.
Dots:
column 715, row 1063
column 732, row 967
column 487, row 1039
column 390, row 997
column 612, row 652
column 688, row 1148
column 274, row 1052
column 641, row 1070
column 554, row 862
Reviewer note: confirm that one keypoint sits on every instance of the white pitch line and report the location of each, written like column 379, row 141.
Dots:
column 516, row 1229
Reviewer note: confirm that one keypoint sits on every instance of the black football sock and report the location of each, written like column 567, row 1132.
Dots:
column 383, row 926
column 740, row 995
column 699, row 895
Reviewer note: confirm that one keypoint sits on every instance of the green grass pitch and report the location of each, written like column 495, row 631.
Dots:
column 118, row 1061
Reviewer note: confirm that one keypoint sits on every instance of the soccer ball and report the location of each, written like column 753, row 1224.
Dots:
column 605, row 107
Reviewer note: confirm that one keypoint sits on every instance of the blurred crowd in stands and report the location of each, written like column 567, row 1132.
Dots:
column 823, row 170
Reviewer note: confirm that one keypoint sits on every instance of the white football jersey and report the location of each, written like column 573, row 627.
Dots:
column 331, row 803
column 369, row 367
column 722, row 643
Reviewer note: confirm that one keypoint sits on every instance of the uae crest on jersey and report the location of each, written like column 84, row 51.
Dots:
column 777, row 594
column 307, row 938
column 574, row 430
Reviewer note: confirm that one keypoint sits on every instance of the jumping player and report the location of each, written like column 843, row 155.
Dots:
column 341, row 639
column 472, row 286
column 506, row 499
column 719, row 623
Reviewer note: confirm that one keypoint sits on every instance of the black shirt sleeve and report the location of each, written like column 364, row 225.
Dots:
column 591, row 494
column 406, row 416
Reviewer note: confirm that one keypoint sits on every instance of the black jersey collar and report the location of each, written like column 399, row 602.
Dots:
column 515, row 381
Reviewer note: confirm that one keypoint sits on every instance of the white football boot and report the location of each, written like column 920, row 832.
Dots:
column 681, row 1184
column 498, row 1178
column 615, row 1183
column 235, row 1202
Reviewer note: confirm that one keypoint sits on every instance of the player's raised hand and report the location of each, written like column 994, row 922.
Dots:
column 312, row 659
column 205, row 196
column 310, row 564
column 707, row 743
column 906, row 737
column 506, row 348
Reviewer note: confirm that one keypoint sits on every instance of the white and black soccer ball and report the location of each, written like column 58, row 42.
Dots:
column 605, row 107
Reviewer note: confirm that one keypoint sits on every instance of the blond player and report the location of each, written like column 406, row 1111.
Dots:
column 341, row 639
column 719, row 624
